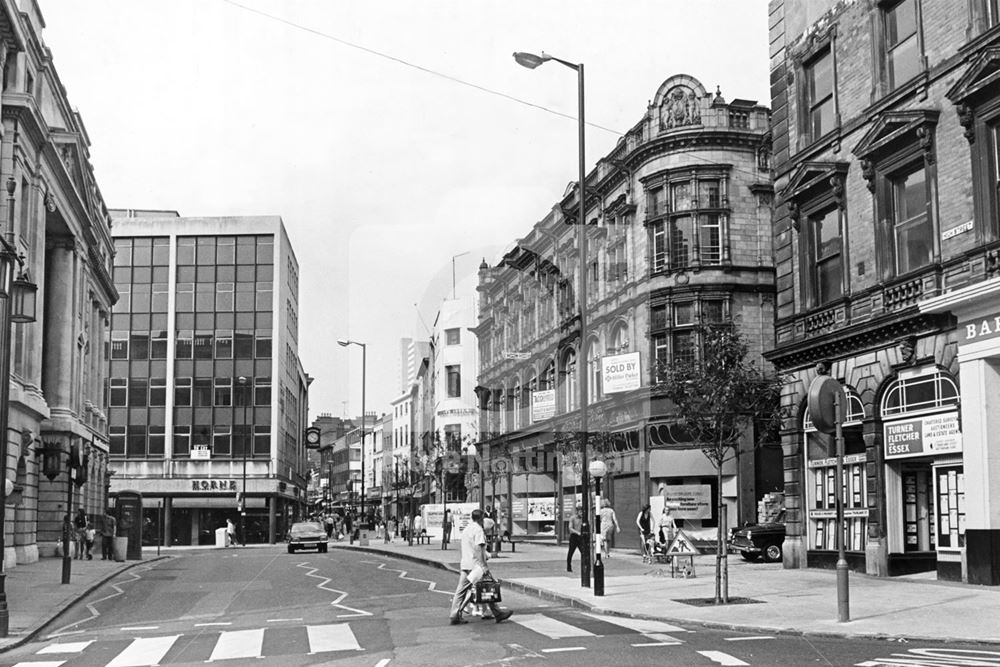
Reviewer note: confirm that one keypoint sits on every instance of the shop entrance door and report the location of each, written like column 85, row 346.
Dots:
column 918, row 509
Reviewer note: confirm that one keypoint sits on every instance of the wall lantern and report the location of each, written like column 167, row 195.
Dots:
column 24, row 295
column 52, row 454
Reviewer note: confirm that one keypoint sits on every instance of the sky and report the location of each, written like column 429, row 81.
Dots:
column 393, row 138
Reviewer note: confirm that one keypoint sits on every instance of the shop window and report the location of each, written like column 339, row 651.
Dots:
column 821, row 481
column 950, row 507
column 932, row 391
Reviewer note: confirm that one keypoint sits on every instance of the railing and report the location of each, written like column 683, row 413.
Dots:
column 902, row 295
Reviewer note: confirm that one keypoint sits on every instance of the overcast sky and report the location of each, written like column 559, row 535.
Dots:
column 390, row 136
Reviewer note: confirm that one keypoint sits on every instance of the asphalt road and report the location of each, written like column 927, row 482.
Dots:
column 267, row 607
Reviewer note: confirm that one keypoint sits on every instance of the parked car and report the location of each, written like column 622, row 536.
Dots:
column 307, row 535
column 754, row 541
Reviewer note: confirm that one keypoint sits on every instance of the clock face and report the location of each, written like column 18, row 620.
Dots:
column 312, row 437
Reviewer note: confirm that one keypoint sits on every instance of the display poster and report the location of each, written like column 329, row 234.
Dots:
column 690, row 501
column 542, row 509
column 932, row 435
column 461, row 515
column 620, row 372
column 543, row 405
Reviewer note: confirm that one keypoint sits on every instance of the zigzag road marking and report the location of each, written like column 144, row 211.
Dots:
column 343, row 594
column 91, row 606
column 431, row 585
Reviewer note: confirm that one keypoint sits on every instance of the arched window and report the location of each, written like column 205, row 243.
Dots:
column 594, row 392
column 547, row 380
column 931, row 391
column 568, row 381
column 530, row 387
column 619, row 343
column 515, row 405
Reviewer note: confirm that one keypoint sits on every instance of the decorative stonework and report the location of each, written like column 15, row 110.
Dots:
column 679, row 108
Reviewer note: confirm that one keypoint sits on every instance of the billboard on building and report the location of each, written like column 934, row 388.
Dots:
column 932, row 435
column 620, row 372
column 543, row 405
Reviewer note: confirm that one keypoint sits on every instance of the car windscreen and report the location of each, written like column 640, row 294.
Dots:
column 301, row 528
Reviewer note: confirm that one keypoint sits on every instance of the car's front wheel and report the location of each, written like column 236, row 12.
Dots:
column 772, row 553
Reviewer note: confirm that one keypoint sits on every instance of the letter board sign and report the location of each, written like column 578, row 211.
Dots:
column 932, row 435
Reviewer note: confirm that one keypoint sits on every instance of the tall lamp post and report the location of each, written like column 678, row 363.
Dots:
column 364, row 363
column 19, row 297
column 531, row 61
column 246, row 440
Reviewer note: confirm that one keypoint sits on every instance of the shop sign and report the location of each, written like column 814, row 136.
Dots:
column 849, row 459
column 201, row 452
column 543, row 405
column 542, row 509
column 374, row 492
column 689, row 501
column 933, row 435
column 620, row 372
column 980, row 328
column 852, row 513
column 213, row 485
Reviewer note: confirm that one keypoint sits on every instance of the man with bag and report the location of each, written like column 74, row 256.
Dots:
column 474, row 569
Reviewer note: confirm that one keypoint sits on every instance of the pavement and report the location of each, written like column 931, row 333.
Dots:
column 765, row 597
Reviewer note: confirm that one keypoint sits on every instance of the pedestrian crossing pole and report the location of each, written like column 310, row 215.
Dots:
column 597, row 470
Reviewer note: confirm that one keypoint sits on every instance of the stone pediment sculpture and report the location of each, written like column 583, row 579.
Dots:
column 679, row 108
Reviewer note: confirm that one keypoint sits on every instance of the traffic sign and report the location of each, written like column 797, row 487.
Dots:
column 824, row 393
column 681, row 546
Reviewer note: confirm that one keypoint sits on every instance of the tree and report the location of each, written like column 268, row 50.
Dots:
column 719, row 397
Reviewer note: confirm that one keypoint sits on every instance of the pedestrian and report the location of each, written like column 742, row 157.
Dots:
column 393, row 529
column 645, row 524
column 446, row 530
column 349, row 525
column 666, row 527
column 609, row 524
column 109, row 530
column 473, row 541
column 231, row 533
column 575, row 537
column 90, row 535
column 329, row 526
column 418, row 526
column 80, row 528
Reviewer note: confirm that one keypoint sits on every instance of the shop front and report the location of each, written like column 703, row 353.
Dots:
column 924, row 474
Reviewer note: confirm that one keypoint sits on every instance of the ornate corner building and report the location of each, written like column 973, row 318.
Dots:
column 887, row 243
column 678, row 218
column 55, row 213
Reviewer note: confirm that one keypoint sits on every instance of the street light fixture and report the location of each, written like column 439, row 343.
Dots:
column 247, row 439
column 597, row 470
column 531, row 61
column 364, row 362
column 19, row 300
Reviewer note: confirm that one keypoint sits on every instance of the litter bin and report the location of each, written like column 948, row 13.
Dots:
column 119, row 549
column 220, row 537
column 364, row 537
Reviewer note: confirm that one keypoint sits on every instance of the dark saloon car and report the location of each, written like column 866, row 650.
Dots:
column 307, row 535
column 759, row 540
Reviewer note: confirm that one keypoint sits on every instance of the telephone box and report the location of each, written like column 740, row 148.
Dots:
column 129, row 510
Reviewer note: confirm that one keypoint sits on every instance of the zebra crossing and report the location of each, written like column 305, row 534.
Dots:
column 192, row 647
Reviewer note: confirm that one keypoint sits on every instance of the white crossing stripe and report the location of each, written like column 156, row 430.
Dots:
column 747, row 639
column 333, row 637
column 666, row 640
column 723, row 658
column 144, row 652
column 550, row 627
column 564, row 649
column 69, row 647
column 238, row 644
column 50, row 663
column 641, row 625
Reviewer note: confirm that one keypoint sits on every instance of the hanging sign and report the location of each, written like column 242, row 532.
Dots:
column 620, row 372
column 543, row 404
column 932, row 435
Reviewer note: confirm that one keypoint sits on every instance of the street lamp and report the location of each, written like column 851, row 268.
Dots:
column 597, row 470
column 19, row 300
column 531, row 61
column 246, row 437
column 364, row 361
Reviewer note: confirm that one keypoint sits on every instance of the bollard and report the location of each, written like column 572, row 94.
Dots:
column 598, row 575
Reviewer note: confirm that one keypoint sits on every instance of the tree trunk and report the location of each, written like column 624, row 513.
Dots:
column 719, row 537
column 724, row 547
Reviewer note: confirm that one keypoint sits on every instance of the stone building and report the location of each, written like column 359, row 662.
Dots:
column 60, row 224
column 888, row 270
column 677, row 225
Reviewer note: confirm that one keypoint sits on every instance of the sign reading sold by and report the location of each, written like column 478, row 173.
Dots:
column 923, row 436
column 620, row 372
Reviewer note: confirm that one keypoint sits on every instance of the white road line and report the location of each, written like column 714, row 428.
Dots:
column 69, row 647
column 431, row 585
column 144, row 652
column 238, row 644
column 342, row 594
column 50, row 663
column 332, row 637
column 550, row 627
column 132, row 628
column 383, row 662
column 561, row 650
column 638, row 624
column 746, row 639
column 662, row 638
column 205, row 625
column 723, row 658
column 283, row 620
column 659, row 644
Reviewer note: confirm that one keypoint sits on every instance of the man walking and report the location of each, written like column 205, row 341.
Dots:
column 109, row 530
column 473, row 542
column 575, row 532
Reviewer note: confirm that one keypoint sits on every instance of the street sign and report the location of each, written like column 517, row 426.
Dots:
column 823, row 397
column 681, row 546
column 516, row 355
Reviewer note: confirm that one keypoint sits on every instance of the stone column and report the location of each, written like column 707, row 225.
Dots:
column 980, row 442
column 60, row 326
column 168, row 506
column 272, row 519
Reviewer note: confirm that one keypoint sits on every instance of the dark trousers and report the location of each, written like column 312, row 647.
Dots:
column 574, row 544
column 107, row 547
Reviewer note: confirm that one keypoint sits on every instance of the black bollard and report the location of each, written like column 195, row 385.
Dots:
column 598, row 575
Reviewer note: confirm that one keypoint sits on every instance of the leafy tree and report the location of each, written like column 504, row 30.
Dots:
column 720, row 396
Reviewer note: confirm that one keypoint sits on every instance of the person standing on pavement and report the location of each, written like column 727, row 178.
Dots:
column 609, row 523
column 80, row 528
column 418, row 526
column 446, row 530
column 473, row 541
column 231, row 533
column 109, row 530
column 645, row 523
column 575, row 535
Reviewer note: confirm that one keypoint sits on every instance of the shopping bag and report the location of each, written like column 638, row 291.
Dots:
column 488, row 591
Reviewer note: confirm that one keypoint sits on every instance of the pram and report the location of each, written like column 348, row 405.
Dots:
column 653, row 551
